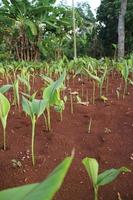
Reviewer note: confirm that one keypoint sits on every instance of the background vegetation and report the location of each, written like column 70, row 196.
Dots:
column 34, row 30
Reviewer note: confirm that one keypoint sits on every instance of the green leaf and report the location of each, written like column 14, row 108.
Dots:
column 38, row 106
column 114, row 46
column 125, row 71
column 110, row 175
column 4, row 105
column 16, row 91
column 47, row 79
column 96, row 78
column 30, row 97
column 26, row 106
column 32, row 27
column 25, row 82
column 51, row 24
column 34, row 107
column 52, row 92
column 92, row 167
column 42, row 191
column 4, row 109
column 17, row 193
column 5, row 88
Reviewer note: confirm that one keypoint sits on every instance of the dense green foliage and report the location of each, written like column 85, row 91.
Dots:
column 107, row 16
column 34, row 30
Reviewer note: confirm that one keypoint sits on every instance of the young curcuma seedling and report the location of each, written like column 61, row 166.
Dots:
column 26, row 82
column 99, row 80
column 34, row 109
column 106, row 177
column 125, row 74
column 4, row 110
column 52, row 95
column 16, row 100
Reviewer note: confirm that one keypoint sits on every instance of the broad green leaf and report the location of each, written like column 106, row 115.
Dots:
column 38, row 106
column 4, row 109
column 51, row 24
column 47, row 79
column 32, row 27
column 30, row 97
column 5, row 88
column 26, row 106
column 34, row 107
column 92, row 167
column 60, row 106
column 4, row 105
column 25, row 82
column 17, row 193
column 96, row 78
column 110, row 175
column 42, row 191
column 52, row 93
column 16, row 90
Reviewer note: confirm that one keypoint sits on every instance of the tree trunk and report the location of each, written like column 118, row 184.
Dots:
column 74, row 30
column 121, row 29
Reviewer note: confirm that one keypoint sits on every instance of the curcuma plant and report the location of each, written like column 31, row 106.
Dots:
column 52, row 95
column 26, row 83
column 106, row 177
column 4, row 110
column 34, row 109
column 16, row 100
column 40, row 191
column 125, row 74
column 99, row 80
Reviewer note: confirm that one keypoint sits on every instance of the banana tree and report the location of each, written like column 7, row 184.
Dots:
column 27, row 22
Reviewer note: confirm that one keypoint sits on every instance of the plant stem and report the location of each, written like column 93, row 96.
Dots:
column 74, row 30
column 90, row 122
column 118, row 94
column 46, row 123
column 125, row 90
column 82, row 90
column 33, row 80
column 95, row 193
column 61, row 116
column 71, row 100
column 100, row 90
column 94, row 88
column 48, row 117
column 4, row 131
column 107, row 86
column 33, row 140
column 87, row 95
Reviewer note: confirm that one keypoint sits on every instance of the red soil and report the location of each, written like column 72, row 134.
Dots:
column 110, row 142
